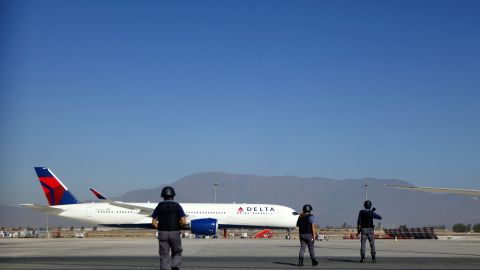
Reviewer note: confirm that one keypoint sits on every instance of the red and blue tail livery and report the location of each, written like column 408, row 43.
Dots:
column 55, row 191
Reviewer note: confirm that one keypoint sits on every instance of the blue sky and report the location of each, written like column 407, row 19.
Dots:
column 122, row 95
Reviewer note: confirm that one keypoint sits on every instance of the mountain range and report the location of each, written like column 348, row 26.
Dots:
column 334, row 202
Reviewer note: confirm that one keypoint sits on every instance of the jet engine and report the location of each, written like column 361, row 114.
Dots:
column 204, row 226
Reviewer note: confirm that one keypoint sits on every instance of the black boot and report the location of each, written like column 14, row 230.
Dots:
column 374, row 260
column 300, row 262
column 362, row 259
column 314, row 262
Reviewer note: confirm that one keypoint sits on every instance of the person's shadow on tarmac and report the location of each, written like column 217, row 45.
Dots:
column 332, row 260
column 285, row 263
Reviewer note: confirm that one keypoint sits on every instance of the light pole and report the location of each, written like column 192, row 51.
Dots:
column 215, row 184
column 366, row 192
column 48, row 234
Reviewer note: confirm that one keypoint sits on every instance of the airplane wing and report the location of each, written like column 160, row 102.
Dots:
column 43, row 209
column 143, row 210
column 472, row 192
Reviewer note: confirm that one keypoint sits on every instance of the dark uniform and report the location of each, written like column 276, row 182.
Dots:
column 168, row 215
column 366, row 228
column 306, row 233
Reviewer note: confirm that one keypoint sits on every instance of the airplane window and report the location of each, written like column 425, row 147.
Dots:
column 295, row 213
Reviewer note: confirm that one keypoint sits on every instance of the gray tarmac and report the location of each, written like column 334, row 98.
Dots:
column 138, row 253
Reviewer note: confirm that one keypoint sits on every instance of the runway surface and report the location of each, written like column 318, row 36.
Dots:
column 233, row 254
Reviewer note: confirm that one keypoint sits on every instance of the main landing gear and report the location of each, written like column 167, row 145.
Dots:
column 288, row 234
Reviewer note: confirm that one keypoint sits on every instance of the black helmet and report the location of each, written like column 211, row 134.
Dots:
column 367, row 204
column 168, row 192
column 307, row 208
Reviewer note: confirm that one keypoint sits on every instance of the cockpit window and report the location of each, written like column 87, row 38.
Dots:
column 295, row 213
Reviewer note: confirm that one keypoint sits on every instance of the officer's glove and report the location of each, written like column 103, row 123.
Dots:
column 374, row 209
column 185, row 227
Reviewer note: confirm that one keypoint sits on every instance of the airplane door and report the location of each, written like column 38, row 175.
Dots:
column 280, row 218
column 230, row 214
column 89, row 213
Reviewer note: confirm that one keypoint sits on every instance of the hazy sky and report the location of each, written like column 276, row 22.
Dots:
column 122, row 95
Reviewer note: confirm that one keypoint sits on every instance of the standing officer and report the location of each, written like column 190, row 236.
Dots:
column 306, row 228
column 167, row 218
column 366, row 228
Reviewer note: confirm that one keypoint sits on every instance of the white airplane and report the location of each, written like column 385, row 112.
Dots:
column 472, row 192
column 204, row 218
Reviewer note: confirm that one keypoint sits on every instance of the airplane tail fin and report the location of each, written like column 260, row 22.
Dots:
column 55, row 191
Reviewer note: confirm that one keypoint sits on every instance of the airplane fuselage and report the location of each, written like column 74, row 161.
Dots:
column 228, row 215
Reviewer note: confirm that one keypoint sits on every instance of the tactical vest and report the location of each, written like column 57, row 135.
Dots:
column 168, row 219
column 304, row 226
column 366, row 219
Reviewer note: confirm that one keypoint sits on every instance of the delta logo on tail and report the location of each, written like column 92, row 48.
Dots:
column 54, row 189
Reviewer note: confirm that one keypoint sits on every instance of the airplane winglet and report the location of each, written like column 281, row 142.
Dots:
column 143, row 210
column 97, row 194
